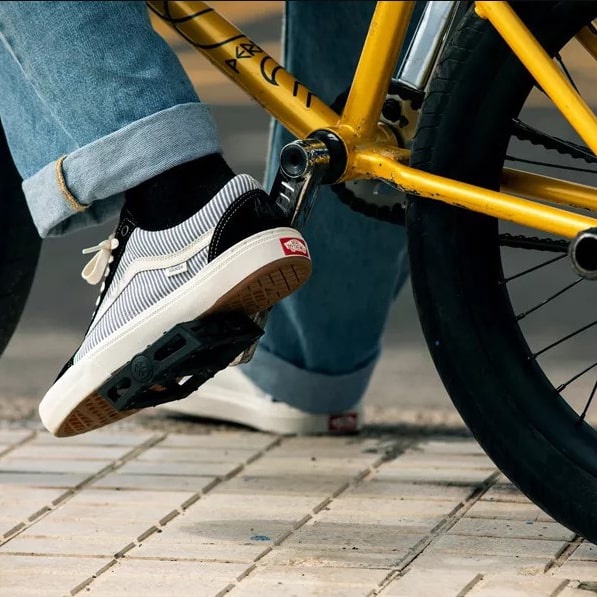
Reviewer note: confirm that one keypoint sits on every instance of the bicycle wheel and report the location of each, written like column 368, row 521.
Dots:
column 19, row 247
column 495, row 366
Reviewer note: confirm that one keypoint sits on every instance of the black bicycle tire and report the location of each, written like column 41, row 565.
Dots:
column 466, row 316
column 20, row 246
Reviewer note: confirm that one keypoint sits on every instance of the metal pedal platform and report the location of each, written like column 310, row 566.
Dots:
column 180, row 361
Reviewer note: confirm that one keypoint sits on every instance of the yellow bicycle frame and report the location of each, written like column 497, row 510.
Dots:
column 371, row 148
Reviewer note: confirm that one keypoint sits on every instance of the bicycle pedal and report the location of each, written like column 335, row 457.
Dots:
column 180, row 361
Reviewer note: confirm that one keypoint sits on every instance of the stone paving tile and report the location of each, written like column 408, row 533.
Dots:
column 373, row 488
column 408, row 515
column 334, row 557
column 224, row 523
column 314, row 473
column 167, row 467
column 309, row 485
column 221, row 439
column 16, row 503
column 82, row 542
column 585, row 551
column 289, row 506
column 96, row 522
column 503, row 491
column 507, row 529
column 366, row 537
column 585, row 571
column 68, row 453
column 366, row 528
column 508, row 511
column 439, row 474
column 118, row 481
column 508, row 585
column 328, row 445
column 32, row 480
column 432, row 559
column 222, row 454
column 450, row 446
column 13, row 464
column 97, row 504
column 261, row 531
column 573, row 592
column 465, row 545
column 154, row 578
column 425, row 583
column 24, row 576
column 96, row 438
column 307, row 466
column 179, row 545
column 280, row 580
column 416, row 458
column 13, row 436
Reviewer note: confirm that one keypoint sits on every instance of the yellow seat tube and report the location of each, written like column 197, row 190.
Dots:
column 376, row 64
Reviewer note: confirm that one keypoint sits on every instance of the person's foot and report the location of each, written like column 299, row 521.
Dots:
column 232, row 397
column 235, row 253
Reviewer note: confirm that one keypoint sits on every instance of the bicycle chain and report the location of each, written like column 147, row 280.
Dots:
column 524, row 132
column 520, row 241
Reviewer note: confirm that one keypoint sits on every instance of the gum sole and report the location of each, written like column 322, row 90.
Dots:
column 258, row 292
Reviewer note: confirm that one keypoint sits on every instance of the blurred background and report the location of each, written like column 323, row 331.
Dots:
column 405, row 388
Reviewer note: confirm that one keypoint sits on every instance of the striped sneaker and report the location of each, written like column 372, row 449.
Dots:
column 235, row 253
column 232, row 397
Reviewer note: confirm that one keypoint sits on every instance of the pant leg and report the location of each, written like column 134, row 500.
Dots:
column 322, row 343
column 92, row 80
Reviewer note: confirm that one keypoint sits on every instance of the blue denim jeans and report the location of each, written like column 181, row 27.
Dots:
column 93, row 102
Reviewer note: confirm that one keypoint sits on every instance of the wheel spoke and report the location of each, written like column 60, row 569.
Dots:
column 558, row 342
column 532, row 269
column 563, row 386
column 582, row 416
column 548, row 300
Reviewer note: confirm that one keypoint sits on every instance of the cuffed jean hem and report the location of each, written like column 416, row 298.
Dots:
column 87, row 186
column 309, row 391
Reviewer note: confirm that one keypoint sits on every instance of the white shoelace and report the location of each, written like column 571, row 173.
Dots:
column 98, row 267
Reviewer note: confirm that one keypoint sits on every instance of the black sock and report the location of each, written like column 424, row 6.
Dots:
column 175, row 195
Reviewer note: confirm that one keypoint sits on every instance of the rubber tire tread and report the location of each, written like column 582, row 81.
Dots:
column 479, row 351
column 20, row 246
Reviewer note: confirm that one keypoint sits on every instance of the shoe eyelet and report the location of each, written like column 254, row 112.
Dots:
column 124, row 230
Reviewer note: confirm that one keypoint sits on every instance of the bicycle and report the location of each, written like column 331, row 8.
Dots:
column 458, row 193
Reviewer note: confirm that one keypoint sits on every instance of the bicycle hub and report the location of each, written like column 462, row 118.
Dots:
column 583, row 253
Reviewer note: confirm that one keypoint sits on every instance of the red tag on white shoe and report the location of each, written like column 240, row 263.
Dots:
column 345, row 423
column 294, row 246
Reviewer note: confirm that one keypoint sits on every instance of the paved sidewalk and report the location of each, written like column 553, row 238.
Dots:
column 137, row 512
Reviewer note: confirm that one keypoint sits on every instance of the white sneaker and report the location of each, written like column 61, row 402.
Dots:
column 233, row 254
column 231, row 396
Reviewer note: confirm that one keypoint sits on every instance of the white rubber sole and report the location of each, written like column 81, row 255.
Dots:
column 251, row 276
column 248, row 406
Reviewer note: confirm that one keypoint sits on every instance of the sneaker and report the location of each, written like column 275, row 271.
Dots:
column 235, row 253
column 232, row 397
